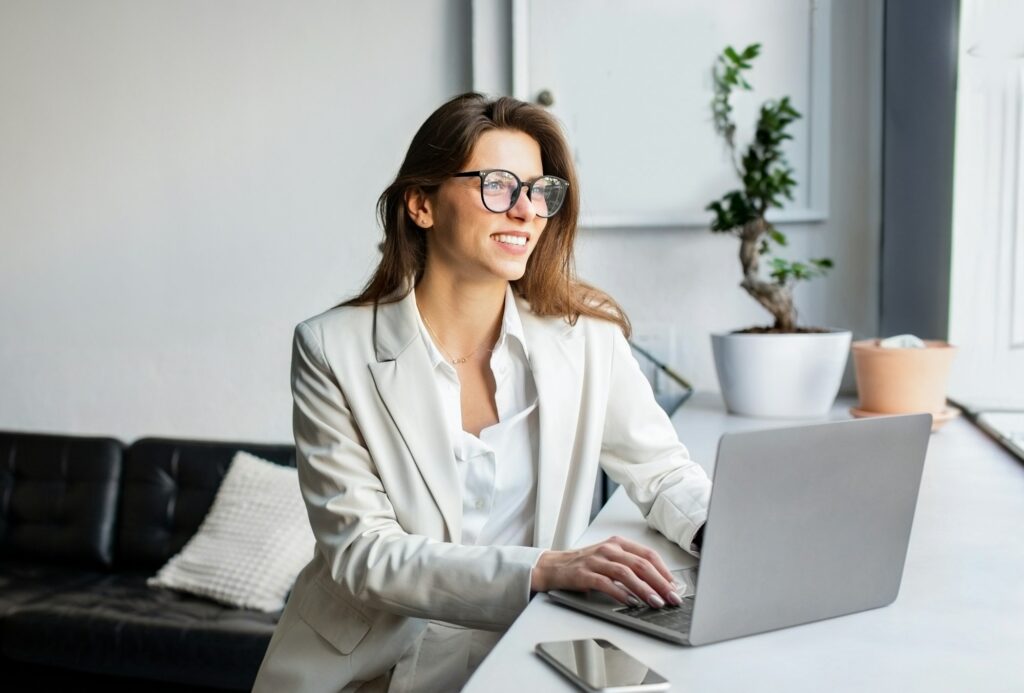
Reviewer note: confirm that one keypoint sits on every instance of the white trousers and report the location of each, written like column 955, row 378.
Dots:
column 441, row 659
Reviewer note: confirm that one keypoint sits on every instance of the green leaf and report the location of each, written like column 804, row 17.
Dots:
column 781, row 270
column 777, row 236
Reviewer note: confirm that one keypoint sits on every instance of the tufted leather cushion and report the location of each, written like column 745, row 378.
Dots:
column 118, row 625
column 24, row 581
column 169, row 486
column 58, row 497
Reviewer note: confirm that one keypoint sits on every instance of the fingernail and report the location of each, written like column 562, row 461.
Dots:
column 675, row 598
column 634, row 602
column 655, row 601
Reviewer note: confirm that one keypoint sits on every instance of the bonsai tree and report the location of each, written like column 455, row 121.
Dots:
column 766, row 179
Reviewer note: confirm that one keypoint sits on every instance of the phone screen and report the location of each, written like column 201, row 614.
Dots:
column 600, row 665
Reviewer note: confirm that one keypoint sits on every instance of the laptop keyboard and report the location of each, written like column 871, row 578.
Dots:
column 675, row 618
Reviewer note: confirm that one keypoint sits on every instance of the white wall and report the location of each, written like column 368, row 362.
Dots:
column 182, row 181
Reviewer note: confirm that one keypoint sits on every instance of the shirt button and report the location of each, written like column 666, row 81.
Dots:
column 479, row 505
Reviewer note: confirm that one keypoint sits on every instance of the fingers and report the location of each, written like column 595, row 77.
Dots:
column 632, row 599
column 628, row 578
column 649, row 554
column 618, row 591
column 642, row 581
column 641, row 570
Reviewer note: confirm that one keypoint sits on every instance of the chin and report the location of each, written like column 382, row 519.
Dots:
column 514, row 273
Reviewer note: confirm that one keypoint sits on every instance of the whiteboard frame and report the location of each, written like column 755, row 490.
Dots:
column 818, row 115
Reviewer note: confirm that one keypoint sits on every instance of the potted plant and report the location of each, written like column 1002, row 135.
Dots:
column 903, row 375
column 781, row 370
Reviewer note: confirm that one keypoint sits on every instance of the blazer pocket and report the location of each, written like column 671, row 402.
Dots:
column 334, row 619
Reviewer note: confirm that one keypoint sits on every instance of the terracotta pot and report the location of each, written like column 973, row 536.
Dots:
column 902, row 381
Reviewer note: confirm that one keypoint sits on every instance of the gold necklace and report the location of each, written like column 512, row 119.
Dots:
column 453, row 361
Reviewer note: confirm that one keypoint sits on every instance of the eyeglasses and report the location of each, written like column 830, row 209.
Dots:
column 499, row 190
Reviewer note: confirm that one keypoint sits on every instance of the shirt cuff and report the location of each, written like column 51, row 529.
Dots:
column 698, row 541
column 529, row 576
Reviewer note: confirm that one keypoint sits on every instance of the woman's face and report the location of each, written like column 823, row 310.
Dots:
column 464, row 238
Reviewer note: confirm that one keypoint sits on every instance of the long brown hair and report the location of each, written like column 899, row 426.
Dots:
column 440, row 148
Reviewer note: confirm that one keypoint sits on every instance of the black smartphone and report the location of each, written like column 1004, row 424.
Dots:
column 600, row 666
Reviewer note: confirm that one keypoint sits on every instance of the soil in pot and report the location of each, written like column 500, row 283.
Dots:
column 776, row 330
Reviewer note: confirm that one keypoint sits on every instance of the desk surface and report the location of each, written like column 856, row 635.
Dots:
column 957, row 625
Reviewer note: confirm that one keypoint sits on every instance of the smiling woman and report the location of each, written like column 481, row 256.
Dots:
column 459, row 135
column 450, row 421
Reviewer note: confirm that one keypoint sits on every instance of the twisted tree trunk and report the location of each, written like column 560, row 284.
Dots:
column 776, row 298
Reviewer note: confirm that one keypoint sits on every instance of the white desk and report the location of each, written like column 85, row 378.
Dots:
column 957, row 625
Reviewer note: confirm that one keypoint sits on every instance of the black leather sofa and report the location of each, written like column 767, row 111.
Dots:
column 83, row 522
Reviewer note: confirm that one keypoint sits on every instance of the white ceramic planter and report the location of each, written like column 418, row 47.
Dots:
column 780, row 375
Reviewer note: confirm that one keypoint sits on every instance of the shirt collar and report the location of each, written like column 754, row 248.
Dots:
column 436, row 358
column 511, row 326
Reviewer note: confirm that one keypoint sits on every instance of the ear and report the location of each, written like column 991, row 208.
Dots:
column 420, row 207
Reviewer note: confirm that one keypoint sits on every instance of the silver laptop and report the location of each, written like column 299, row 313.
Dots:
column 804, row 523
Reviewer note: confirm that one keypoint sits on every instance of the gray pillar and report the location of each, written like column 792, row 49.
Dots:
column 917, row 165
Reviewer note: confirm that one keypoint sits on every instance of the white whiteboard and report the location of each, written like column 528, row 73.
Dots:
column 632, row 85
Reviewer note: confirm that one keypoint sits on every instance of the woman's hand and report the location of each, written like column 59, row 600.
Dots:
column 616, row 566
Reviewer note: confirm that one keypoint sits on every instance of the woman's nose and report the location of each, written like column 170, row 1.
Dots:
column 523, row 208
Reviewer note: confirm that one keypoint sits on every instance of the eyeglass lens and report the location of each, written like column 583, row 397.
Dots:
column 500, row 190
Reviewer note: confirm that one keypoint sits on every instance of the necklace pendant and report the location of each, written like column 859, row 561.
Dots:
column 456, row 362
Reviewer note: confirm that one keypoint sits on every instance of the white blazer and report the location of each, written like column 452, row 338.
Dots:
column 384, row 500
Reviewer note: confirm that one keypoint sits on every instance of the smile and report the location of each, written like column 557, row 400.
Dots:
column 511, row 240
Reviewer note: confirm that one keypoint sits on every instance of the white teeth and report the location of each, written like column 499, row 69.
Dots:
column 512, row 240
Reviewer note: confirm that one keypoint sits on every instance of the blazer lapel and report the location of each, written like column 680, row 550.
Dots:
column 556, row 360
column 404, row 376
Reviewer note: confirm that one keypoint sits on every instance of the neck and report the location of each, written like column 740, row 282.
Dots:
column 463, row 315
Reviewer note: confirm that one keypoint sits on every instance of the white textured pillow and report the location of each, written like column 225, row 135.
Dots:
column 253, row 542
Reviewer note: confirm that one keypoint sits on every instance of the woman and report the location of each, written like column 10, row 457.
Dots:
column 450, row 420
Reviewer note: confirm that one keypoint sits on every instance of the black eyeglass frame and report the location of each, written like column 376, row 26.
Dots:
column 520, row 184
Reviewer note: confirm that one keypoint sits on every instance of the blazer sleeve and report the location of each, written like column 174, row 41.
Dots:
column 641, row 451
column 372, row 559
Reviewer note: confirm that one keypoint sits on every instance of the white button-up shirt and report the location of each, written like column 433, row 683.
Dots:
column 498, row 470
column 498, row 474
